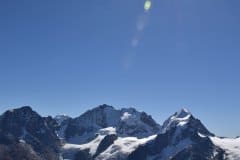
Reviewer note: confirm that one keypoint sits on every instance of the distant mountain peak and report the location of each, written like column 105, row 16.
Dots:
column 180, row 118
column 183, row 113
column 183, row 119
column 105, row 106
column 127, row 121
column 25, row 112
column 25, row 109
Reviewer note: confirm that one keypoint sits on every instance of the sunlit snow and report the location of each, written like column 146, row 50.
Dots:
column 231, row 146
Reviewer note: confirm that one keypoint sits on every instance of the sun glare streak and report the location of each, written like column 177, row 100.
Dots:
column 147, row 5
column 140, row 27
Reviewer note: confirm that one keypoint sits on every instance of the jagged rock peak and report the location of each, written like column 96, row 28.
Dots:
column 180, row 118
column 24, row 112
column 126, row 121
column 101, row 108
column 105, row 106
column 25, row 109
column 182, row 113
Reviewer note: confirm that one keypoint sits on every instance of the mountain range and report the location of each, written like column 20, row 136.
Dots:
column 106, row 133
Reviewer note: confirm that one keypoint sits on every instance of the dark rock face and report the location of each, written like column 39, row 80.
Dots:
column 83, row 155
column 148, row 119
column 18, row 151
column 74, row 129
column 139, row 154
column 88, row 123
column 105, row 143
column 197, row 125
column 25, row 128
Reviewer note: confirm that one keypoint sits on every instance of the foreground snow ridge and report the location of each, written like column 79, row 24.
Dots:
column 92, row 145
column 122, row 147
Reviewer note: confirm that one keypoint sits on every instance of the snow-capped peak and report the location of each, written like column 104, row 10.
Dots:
column 126, row 121
column 182, row 113
column 179, row 118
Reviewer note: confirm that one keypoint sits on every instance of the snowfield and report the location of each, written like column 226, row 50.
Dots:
column 122, row 147
column 231, row 146
column 91, row 145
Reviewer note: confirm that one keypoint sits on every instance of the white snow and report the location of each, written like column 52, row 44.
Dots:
column 130, row 119
column 126, row 116
column 182, row 123
column 41, row 131
column 107, row 131
column 180, row 118
column 231, row 146
column 201, row 135
column 91, row 145
column 87, row 136
column 120, row 148
column 123, row 147
column 22, row 141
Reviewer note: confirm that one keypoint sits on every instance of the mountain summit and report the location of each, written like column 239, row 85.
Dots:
column 25, row 134
column 127, row 121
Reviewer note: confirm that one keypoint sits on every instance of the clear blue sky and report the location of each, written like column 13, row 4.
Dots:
column 66, row 56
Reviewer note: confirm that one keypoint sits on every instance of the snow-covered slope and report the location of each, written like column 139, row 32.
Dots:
column 120, row 148
column 230, row 146
column 92, row 145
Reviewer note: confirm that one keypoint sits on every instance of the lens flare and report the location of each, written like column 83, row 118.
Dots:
column 147, row 5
